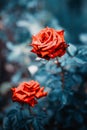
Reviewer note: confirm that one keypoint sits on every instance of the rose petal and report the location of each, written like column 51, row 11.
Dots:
column 26, row 92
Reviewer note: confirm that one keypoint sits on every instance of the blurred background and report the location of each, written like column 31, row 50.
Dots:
column 19, row 19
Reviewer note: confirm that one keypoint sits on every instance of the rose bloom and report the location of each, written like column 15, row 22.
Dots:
column 28, row 92
column 49, row 43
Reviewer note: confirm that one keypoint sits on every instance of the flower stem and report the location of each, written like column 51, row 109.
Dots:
column 31, row 112
column 61, row 73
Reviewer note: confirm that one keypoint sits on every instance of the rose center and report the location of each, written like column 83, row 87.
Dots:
column 44, row 37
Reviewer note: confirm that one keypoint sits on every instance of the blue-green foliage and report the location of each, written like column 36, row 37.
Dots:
column 65, row 104
column 17, row 119
column 65, row 107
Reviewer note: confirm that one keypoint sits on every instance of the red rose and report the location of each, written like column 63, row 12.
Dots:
column 27, row 92
column 49, row 43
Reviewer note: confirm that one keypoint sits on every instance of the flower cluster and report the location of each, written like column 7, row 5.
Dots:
column 27, row 92
column 49, row 43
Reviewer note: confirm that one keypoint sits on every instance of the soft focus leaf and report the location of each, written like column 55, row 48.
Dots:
column 82, row 55
column 72, row 50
